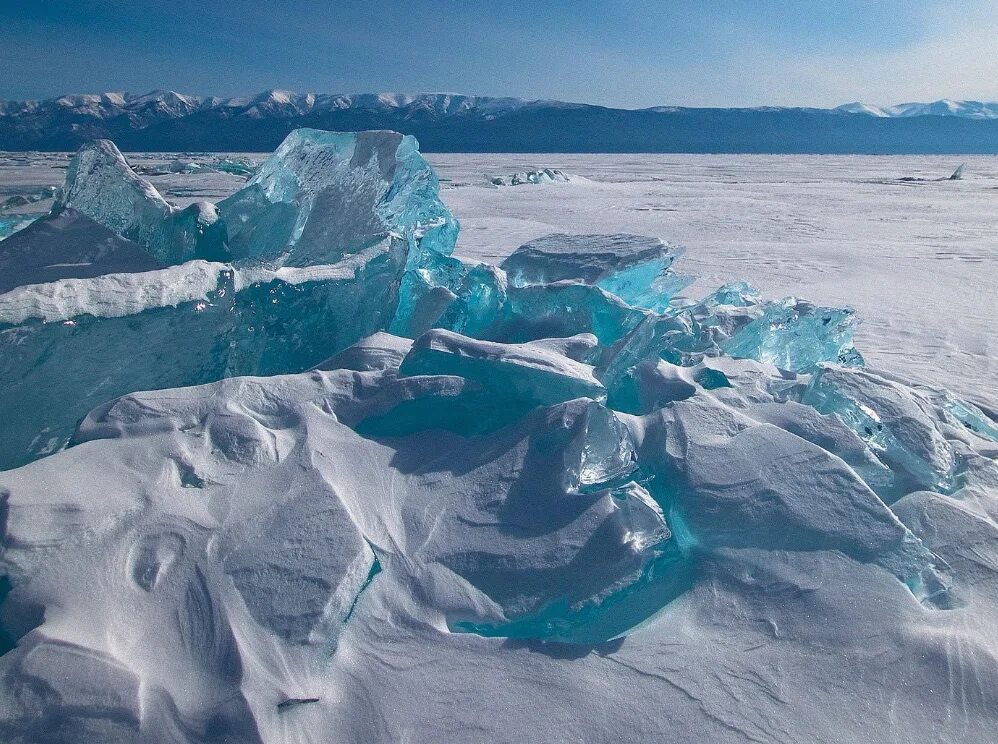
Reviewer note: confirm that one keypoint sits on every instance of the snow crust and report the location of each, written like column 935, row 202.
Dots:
column 111, row 295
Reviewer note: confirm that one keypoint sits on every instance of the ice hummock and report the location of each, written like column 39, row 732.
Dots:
column 693, row 503
column 535, row 176
column 332, row 279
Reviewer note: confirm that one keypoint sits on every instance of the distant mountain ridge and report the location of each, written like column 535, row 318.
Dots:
column 167, row 120
column 943, row 107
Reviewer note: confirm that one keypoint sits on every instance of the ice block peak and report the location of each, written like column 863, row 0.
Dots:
column 101, row 185
column 324, row 195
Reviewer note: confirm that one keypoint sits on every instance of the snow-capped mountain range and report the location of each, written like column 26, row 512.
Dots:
column 279, row 103
column 943, row 107
column 167, row 120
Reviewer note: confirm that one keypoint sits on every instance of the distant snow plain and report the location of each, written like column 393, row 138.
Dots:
column 918, row 259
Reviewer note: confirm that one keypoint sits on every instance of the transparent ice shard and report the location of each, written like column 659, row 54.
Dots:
column 895, row 422
column 796, row 335
column 970, row 416
column 427, row 290
column 12, row 223
column 606, row 451
column 101, row 185
column 323, row 196
column 562, row 309
column 677, row 339
column 478, row 300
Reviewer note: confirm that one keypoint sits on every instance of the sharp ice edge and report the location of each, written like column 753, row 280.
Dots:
column 545, row 466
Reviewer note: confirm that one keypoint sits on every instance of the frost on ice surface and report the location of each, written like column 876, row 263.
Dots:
column 422, row 494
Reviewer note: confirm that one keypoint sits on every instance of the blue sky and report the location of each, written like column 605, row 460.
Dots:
column 631, row 54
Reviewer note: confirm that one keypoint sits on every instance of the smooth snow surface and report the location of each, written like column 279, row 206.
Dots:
column 566, row 499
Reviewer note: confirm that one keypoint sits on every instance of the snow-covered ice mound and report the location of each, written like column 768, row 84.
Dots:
column 534, row 511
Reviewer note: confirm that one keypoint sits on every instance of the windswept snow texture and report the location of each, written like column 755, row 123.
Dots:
column 537, row 511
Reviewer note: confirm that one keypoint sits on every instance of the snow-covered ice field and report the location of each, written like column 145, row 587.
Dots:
column 553, row 504
column 917, row 259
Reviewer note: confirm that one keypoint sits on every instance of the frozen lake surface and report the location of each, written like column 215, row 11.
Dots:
column 916, row 258
column 538, row 509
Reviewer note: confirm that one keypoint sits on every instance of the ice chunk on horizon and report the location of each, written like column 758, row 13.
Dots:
column 537, row 176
